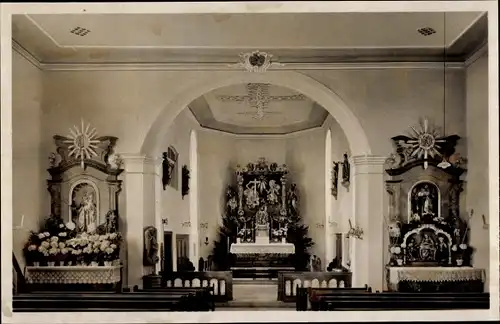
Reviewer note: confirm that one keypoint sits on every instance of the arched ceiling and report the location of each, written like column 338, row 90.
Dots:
column 235, row 109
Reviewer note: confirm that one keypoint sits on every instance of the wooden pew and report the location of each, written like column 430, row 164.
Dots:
column 394, row 300
column 315, row 295
column 77, row 302
column 203, row 295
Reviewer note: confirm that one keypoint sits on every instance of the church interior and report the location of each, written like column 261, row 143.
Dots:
column 259, row 161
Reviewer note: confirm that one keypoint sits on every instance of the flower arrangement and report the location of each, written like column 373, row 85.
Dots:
column 59, row 244
column 396, row 254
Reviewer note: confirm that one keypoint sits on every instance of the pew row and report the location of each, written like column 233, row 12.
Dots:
column 323, row 300
column 98, row 302
column 204, row 295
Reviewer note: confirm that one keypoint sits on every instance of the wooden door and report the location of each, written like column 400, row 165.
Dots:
column 168, row 264
column 182, row 245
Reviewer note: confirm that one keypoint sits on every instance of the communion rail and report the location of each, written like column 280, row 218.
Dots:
column 221, row 281
column 288, row 282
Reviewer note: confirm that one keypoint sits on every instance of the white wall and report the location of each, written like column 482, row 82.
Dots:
column 386, row 101
column 478, row 195
column 30, row 196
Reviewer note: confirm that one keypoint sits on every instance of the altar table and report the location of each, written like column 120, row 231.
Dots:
column 73, row 277
column 453, row 279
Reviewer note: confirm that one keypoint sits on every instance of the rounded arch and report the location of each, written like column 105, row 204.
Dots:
column 358, row 141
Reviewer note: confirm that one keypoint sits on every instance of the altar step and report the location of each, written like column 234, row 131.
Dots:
column 256, row 294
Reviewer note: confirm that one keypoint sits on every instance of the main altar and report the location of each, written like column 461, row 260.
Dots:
column 263, row 207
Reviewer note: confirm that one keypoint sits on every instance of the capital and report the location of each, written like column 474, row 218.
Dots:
column 368, row 164
column 139, row 163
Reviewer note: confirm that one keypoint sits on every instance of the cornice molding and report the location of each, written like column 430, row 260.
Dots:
column 261, row 136
column 483, row 50
column 27, row 55
column 225, row 66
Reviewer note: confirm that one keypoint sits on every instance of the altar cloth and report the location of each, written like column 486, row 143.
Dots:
column 255, row 248
column 434, row 274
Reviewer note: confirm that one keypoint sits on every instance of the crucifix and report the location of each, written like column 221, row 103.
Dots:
column 258, row 98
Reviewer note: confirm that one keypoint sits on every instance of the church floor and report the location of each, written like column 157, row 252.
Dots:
column 255, row 295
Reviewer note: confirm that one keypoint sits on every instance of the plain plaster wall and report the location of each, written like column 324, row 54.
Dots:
column 478, row 195
column 30, row 196
column 386, row 101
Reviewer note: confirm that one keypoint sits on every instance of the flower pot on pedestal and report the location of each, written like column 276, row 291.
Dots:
column 283, row 240
column 460, row 262
column 94, row 264
column 108, row 263
column 400, row 262
column 36, row 264
column 51, row 263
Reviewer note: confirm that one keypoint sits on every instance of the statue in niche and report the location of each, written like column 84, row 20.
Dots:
column 346, row 171
column 442, row 253
column 85, row 206
column 293, row 200
column 150, row 246
column 427, row 248
column 261, row 217
column 412, row 250
column 273, row 192
column 335, row 179
column 424, row 202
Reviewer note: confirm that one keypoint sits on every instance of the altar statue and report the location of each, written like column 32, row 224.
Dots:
column 293, row 199
column 87, row 214
column 261, row 217
column 427, row 248
column 273, row 192
column 442, row 253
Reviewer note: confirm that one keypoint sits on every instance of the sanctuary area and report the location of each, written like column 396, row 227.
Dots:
column 211, row 169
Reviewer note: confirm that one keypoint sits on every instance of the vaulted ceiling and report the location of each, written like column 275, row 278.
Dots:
column 305, row 37
column 235, row 109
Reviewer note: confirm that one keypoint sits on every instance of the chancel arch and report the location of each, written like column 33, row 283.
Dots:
column 328, row 99
column 364, row 167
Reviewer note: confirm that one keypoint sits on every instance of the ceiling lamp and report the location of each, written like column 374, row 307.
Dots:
column 445, row 163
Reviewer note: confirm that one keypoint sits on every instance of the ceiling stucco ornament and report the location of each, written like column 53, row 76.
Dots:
column 258, row 97
column 256, row 61
column 83, row 142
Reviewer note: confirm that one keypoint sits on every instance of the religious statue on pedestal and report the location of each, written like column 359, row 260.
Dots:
column 261, row 217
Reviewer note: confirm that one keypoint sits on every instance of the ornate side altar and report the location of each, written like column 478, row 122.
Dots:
column 79, row 244
column 263, row 207
column 429, row 248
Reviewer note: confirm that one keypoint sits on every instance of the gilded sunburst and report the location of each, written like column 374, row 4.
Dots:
column 83, row 142
column 426, row 142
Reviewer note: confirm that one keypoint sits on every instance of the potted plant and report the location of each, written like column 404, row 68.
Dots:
column 460, row 251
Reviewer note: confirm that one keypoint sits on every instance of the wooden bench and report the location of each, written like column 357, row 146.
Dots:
column 135, row 301
column 315, row 295
column 203, row 295
column 394, row 300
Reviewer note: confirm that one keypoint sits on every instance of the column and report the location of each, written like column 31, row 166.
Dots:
column 139, row 211
column 158, row 188
column 368, row 253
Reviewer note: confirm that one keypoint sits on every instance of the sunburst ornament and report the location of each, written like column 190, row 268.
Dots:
column 426, row 142
column 83, row 143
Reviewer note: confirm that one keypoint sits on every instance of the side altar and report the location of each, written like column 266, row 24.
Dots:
column 429, row 248
column 262, row 209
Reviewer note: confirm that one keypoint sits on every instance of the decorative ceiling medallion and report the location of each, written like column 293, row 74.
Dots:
column 256, row 61
column 83, row 143
column 258, row 97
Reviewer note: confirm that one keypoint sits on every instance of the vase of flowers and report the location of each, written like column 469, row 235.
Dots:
column 460, row 251
column 396, row 254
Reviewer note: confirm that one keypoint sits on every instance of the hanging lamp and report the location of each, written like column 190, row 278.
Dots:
column 444, row 164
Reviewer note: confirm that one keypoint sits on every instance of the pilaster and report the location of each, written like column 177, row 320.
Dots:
column 139, row 177
column 368, row 185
